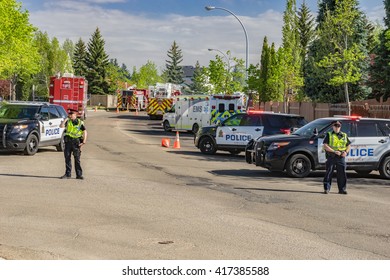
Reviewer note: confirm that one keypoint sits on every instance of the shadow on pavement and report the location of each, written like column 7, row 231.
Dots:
column 30, row 176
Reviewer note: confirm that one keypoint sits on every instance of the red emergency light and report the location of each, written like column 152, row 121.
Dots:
column 255, row 112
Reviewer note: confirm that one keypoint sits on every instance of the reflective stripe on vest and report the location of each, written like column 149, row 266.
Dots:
column 338, row 144
column 74, row 131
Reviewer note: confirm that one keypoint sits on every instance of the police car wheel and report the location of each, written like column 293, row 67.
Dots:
column 207, row 146
column 298, row 166
column 384, row 168
column 166, row 126
column 31, row 145
column 61, row 146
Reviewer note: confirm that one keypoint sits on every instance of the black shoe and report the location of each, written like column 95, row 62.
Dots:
column 65, row 177
column 343, row 192
column 80, row 177
column 326, row 191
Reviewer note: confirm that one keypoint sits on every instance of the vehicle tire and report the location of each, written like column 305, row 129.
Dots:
column 61, row 146
column 298, row 166
column 384, row 168
column 31, row 145
column 234, row 152
column 166, row 126
column 363, row 172
column 195, row 128
column 207, row 146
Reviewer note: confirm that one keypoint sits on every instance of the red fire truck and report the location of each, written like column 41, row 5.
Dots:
column 70, row 92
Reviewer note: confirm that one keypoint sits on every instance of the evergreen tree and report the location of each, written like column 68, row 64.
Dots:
column 306, row 29
column 264, row 94
column 174, row 71
column 97, row 63
column 380, row 69
column 79, row 59
column 198, row 80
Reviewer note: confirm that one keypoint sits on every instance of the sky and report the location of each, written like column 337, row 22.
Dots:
column 137, row 31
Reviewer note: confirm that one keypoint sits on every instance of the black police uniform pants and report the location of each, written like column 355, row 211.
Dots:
column 338, row 163
column 72, row 146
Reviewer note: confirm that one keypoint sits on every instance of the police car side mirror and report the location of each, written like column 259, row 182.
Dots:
column 41, row 118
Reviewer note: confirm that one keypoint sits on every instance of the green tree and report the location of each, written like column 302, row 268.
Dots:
column 275, row 81
column 174, row 71
column 80, row 58
column 264, row 94
column 18, row 55
column 199, row 80
column 317, row 78
column 342, row 62
column 148, row 75
column 97, row 63
column 380, row 69
column 306, row 25
column 291, row 66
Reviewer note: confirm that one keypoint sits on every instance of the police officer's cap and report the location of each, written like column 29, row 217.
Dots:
column 72, row 111
column 335, row 122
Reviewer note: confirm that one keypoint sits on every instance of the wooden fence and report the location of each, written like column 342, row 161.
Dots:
column 311, row 111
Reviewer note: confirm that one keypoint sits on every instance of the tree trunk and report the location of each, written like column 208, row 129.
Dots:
column 347, row 99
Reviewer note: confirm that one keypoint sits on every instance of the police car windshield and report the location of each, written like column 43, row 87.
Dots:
column 308, row 130
column 18, row 112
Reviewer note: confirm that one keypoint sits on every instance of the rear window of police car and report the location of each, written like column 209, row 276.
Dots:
column 285, row 121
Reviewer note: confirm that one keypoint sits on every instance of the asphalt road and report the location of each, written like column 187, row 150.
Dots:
column 142, row 201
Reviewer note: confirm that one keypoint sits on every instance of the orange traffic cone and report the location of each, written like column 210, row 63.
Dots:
column 117, row 110
column 176, row 144
column 95, row 108
column 165, row 142
column 136, row 112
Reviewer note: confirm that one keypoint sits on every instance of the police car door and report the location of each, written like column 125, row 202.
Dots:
column 55, row 122
column 238, row 130
column 45, row 124
column 369, row 144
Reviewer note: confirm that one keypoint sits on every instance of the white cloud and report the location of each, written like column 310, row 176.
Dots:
column 135, row 39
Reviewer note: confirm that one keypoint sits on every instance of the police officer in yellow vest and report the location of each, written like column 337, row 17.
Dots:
column 75, row 138
column 336, row 145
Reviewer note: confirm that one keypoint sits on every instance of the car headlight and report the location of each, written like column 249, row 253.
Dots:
column 20, row 127
column 277, row 145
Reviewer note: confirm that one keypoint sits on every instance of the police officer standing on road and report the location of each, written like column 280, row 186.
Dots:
column 337, row 146
column 75, row 138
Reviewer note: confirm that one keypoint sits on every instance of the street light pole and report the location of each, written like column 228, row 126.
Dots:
column 210, row 8
column 227, row 59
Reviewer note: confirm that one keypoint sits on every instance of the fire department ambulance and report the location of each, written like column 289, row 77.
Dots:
column 191, row 112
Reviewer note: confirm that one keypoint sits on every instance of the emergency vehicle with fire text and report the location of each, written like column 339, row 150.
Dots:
column 190, row 112
column 70, row 92
column 161, row 99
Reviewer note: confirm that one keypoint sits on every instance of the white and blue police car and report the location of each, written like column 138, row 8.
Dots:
column 302, row 152
column 27, row 126
column 235, row 132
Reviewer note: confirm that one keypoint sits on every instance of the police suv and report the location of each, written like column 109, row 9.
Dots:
column 26, row 126
column 302, row 151
column 235, row 132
